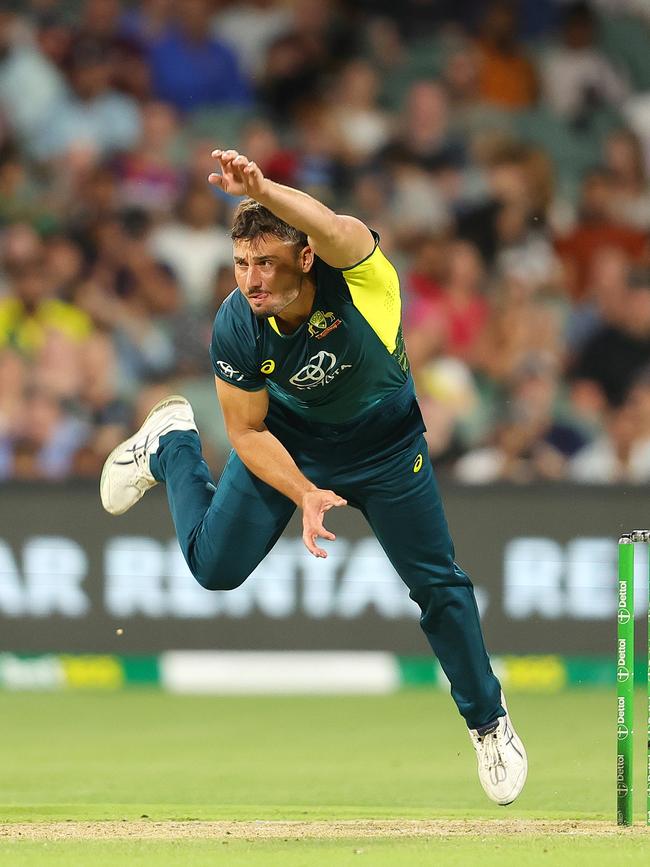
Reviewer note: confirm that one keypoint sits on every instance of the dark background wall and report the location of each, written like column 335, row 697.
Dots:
column 543, row 560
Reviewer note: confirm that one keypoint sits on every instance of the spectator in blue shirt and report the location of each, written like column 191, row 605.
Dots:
column 191, row 69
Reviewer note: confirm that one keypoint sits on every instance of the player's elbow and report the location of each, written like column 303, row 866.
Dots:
column 244, row 440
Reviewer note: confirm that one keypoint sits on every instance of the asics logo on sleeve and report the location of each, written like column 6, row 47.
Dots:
column 229, row 371
column 320, row 370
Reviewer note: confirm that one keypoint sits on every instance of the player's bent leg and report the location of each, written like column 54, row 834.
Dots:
column 223, row 530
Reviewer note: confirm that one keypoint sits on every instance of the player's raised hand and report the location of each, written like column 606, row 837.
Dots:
column 314, row 505
column 237, row 175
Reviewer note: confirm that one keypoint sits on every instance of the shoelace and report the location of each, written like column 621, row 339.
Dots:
column 492, row 758
column 141, row 460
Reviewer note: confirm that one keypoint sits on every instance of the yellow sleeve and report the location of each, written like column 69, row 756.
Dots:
column 374, row 287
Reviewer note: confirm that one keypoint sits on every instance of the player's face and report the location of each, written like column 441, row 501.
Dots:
column 270, row 273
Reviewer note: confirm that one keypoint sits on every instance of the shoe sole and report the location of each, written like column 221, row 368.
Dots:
column 174, row 398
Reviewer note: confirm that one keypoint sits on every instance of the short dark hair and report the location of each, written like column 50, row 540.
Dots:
column 252, row 220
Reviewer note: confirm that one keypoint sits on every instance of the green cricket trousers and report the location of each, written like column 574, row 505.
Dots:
column 382, row 469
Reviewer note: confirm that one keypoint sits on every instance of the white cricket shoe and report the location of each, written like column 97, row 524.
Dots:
column 502, row 761
column 126, row 476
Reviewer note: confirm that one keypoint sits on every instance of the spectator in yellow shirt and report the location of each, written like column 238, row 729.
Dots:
column 30, row 311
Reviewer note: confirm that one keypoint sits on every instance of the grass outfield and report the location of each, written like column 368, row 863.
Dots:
column 110, row 771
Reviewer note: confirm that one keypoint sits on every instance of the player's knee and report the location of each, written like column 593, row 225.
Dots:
column 219, row 577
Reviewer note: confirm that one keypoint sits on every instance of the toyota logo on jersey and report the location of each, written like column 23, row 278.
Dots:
column 320, row 370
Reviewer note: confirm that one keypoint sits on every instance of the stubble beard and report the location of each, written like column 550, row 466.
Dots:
column 281, row 305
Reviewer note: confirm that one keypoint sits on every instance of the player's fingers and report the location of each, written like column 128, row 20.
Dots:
column 253, row 171
column 215, row 179
column 309, row 540
column 241, row 161
column 336, row 501
column 228, row 157
column 318, row 529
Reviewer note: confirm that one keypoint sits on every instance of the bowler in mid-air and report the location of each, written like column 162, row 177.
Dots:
column 318, row 400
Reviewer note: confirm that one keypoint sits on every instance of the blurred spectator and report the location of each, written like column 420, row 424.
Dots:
column 313, row 164
column 531, row 442
column 250, row 28
column 194, row 246
column 105, row 411
column 130, row 293
column 620, row 454
column 327, row 30
column 423, row 159
column 461, row 77
column 191, row 69
column 299, row 61
column 425, row 137
column 451, row 321
column 31, row 311
column 291, row 77
column 101, row 23
column 630, row 189
column 147, row 21
column 448, row 397
column 93, row 118
column 21, row 245
column 20, row 196
column 423, row 282
column 577, row 77
column 29, row 84
column 616, row 353
column 364, row 127
column 260, row 142
column 605, row 298
column 64, row 264
column 507, row 78
column 53, row 35
column 48, row 438
column 597, row 227
column 510, row 220
column 417, row 204
column 519, row 326
column 146, row 175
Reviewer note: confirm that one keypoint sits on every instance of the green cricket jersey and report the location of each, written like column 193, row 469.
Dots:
column 345, row 359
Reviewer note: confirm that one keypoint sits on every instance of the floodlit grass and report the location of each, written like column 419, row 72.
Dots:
column 94, row 756
column 492, row 852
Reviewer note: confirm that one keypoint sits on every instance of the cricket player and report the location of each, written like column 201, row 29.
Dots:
column 319, row 405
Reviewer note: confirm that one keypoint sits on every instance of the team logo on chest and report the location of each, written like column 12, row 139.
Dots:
column 321, row 324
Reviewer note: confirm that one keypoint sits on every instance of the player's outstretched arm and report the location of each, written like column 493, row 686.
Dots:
column 337, row 239
column 265, row 456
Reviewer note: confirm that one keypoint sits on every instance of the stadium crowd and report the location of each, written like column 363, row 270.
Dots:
column 500, row 149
